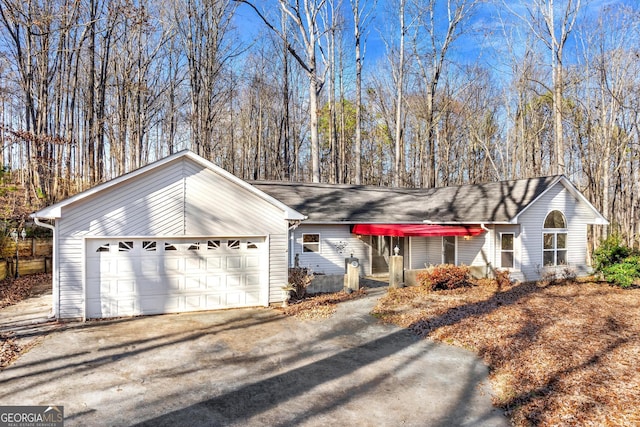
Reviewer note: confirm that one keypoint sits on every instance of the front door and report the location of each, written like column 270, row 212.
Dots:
column 381, row 250
column 449, row 250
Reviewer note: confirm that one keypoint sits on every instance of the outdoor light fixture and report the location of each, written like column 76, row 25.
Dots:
column 396, row 250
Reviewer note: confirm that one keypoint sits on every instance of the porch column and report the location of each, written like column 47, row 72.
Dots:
column 396, row 271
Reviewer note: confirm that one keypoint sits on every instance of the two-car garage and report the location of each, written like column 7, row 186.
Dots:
column 138, row 276
column 177, row 235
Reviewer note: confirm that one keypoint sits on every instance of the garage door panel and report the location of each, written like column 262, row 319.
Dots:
column 234, row 262
column 150, row 266
column 124, row 287
column 124, row 266
column 252, row 280
column 143, row 276
column 194, row 283
column 252, row 261
column 234, row 281
column 214, row 263
column 214, row 283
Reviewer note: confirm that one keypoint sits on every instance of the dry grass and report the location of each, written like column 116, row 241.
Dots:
column 558, row 354
column 319, row 306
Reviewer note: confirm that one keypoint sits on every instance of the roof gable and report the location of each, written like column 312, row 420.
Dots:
column 55, row 210
column 562, row 180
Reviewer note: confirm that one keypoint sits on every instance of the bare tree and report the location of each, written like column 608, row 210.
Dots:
column 305, row 16
column 553, row 30
column 431, row 57
column 362, row 13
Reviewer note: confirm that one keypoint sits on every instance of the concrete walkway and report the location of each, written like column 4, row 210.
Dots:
column 251, row 367
column 29, row 320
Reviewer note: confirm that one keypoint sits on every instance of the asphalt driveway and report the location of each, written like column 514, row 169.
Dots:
column 251, row 367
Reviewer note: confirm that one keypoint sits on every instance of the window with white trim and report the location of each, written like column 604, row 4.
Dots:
column 506, row 250
column 311, row 242
column 554, row 239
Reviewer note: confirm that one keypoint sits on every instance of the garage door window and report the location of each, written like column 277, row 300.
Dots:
column 125, row 246
column 233, row 244
column 212, row 245
column 194, row 246
column 103, row 248
column 252, row 245
column 149, row 246
column 169, row 247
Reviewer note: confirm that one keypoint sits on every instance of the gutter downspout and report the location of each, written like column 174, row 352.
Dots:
column 55, row 312
column 492, row 251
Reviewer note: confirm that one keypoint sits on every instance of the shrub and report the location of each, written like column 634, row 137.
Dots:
column 622, row 274
column 502, row 278
column 610, row 251
column 617, row 263
column 446, row 276
column 299, row 279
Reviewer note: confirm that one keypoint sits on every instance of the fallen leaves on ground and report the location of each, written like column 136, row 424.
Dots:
column 563, row 354
column 319, row 306
column 14, row 290
column 9, row 349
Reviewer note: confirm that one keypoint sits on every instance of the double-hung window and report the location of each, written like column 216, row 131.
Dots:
column 506, row 250
column 311, row 242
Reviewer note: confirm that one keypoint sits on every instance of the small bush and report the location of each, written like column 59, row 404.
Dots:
column 617, row 263
column 623, row 273
column 610, row 251
column 299, row 279
column 502, row 278
column 446, row 276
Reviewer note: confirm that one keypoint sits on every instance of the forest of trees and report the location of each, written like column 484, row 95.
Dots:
column 408, row 93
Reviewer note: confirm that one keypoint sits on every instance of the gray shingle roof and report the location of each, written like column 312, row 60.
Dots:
column 476, row 203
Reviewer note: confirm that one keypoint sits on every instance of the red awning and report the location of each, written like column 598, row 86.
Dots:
column 423, row 230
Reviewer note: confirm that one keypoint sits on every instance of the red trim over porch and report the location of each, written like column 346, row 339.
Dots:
column 422, row 230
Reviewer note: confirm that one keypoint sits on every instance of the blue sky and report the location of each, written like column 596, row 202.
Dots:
column 483, row 39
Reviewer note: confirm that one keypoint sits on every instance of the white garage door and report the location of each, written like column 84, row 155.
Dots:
column 128, row 277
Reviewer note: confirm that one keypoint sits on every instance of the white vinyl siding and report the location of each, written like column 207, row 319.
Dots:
column 425, row 251
column 577, row 214
column 181, row 198
column 474, row 250
column 337, row 243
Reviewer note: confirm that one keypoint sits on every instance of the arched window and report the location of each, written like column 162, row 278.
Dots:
column 555, row 219
column 554, row 239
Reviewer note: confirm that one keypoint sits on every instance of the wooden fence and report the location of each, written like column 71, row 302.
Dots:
column 34, row 256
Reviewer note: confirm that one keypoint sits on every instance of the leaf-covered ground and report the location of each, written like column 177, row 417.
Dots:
column 319, row 306
column 13, row 291
column 562, row 355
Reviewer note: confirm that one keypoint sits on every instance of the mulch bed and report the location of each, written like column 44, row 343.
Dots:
column 558, row 354
column 319, row 306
